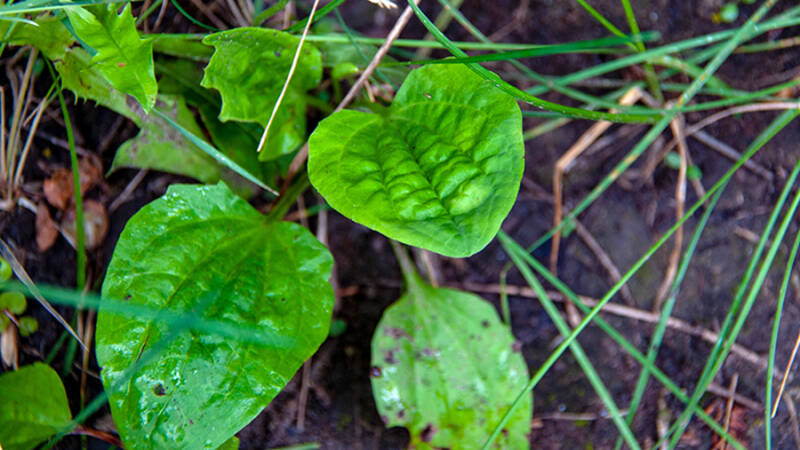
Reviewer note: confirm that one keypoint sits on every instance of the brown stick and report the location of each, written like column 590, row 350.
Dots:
column 566, row 160
column 680, row 199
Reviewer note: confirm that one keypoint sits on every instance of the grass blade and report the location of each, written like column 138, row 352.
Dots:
column 216, row 154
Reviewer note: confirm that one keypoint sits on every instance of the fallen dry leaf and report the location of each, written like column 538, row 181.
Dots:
column 95, row 221
column 58, row 189
column 8, row 346
column 46, row 228
column 90, row 169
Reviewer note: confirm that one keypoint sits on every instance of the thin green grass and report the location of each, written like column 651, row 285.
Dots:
column 686, row 56
column 783, row 120
column 773, row 341
column 730, row 328
column 666, row 311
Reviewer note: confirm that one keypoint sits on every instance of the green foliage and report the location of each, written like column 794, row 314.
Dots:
column 439, row 170
column 161, row 147
column 249, row 67
column 34, row 406
column 5, row 270
column 13, row 302
column 729, row 12
column 49, row 35
column 27, row 326
column 203, row 252
column 236, row 140
column 122, row 56
column 79, row 75
column 446, row 368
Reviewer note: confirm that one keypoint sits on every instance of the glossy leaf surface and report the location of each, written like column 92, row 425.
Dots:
column 33, row 406
column 203, row 253
column 445, row 367
column 249, row 68
column 123, row 57
column 440, row 170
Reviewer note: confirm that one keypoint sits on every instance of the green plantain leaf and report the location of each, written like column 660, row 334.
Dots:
column 33, row 406
column 444, row 367
column 249, row 68
column 440, row 170
column 203, row 252
column 123, row 57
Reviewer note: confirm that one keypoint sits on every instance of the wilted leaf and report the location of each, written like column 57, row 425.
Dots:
column 95, row 224
column 8, row 347
column 59, row 187
column 205, row 253
column 46, row 228
column 440, row 170
column 445, row 367
column 249, row 68
column 90, row 169
column 34, row 406
column 123, row 57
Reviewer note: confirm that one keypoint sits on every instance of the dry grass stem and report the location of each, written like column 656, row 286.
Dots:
column 566, row 160
column 680, row 200
column 786, row 373
column 289, row 76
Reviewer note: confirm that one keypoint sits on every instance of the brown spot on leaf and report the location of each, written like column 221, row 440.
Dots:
column 516, row 346
column 485, row 324
column 398, row 333
column 428, row 432
column 375, row 371
column 430, row 353
column 388, row 357
column 159, row 390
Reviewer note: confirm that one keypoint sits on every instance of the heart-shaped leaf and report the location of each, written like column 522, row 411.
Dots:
column 440, row 170
column 446, row 368
column 33, row 406
column 249, row 68
column 203, row 253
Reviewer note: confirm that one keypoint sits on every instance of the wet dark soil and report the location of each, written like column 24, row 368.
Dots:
column 625, row 221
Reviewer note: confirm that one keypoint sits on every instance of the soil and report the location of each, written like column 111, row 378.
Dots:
column 626, row 220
